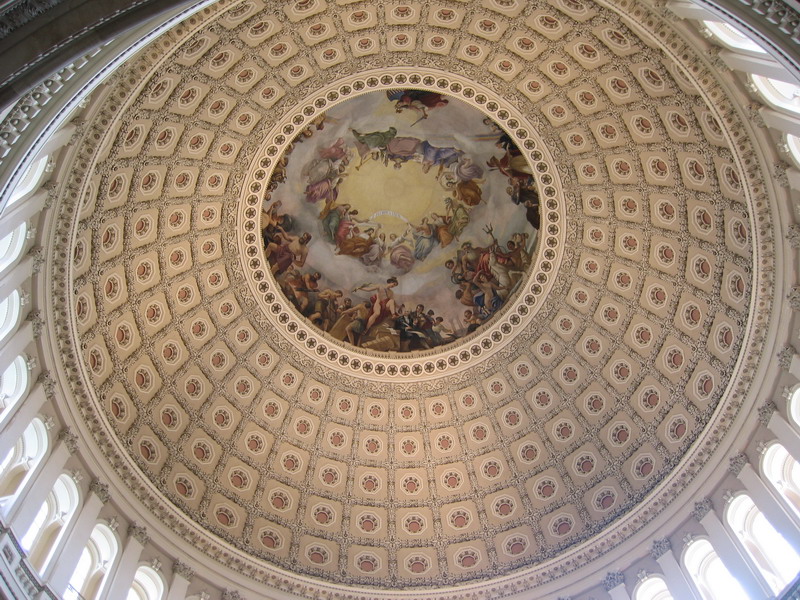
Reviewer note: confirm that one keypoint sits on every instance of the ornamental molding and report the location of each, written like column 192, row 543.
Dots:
column 139, row 533
column 793, row 236
column 660, row 547
column 755, row 116
column 280, row 316
column 100, row 490
column 613, row 579
column 781, row 175
column 702, row 508
column 765, row 412
column 48, row 382
column 69, row 439
column 737, row 463
column 183, row 570
column 794, row 298
column 37, row 322
column 786, row 356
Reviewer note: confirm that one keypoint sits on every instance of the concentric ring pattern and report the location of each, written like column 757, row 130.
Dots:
column 435, row 468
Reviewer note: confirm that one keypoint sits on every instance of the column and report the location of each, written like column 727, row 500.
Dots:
column 22, row 413
column 125, row 570
column 182, row 575
column 762, row 65
column 780, row 121
column 58, row 140
column 66, row 558
column 23, row 211
column 765, row 501
column 690, row 10
column 15, row 345
column 677, row 583
column 16, row 276
column 614, row 584
column 787, row 435
column 23, row 511
column 728, row 550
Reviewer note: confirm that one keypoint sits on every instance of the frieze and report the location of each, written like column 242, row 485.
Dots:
column 702, row 508
column 786, row 356
column 69, row 438
column 793, row 236
column 765, row 412
column 660, row 547
column 613, row 579
column 100, row 490
column 737, row 463
column 139, row 533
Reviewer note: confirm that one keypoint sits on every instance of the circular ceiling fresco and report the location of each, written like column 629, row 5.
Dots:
column 401, row 221
column 266, row 207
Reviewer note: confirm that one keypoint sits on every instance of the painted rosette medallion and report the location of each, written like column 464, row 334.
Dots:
column 401, row 220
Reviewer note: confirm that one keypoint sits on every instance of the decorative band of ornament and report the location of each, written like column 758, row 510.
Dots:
column 402, row 223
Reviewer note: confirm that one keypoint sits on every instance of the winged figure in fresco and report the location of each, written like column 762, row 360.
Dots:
column 419, row 101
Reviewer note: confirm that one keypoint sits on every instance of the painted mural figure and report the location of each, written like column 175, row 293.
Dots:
column 420, row 101
column 376, row 140
column 458, row 217
column 413, row 212
column 400, row 255
column 325, row 308
column 330, row 217
column 425, row 239
column 336, row 151
column 300, row 285
column 358, row 243
column 466, row 170
column 346, row 224
column 325, row 172
column 487, row 299
column 382, row 300
column 443, row 334
column 352, row 323
column 272, row 222
column 287, row 250
column 524, row 192
column 434, row 156
column 401, row 149
column 372, row 144
column 374, row 255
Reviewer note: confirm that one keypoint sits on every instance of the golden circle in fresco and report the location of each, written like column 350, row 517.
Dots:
column 402, row 220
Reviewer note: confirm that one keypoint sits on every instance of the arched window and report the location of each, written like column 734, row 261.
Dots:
column 708, row 573
column 13, row 385
column 147, row 585
column 793, row 144
column 51, row 522
column 783, row 472
column 771, row 553
column 9, row 313
column 779, row 94
column 652, row 588
column 21, row 461
column 794, row 407
column 30, row 181
column 94, row 564
column 730, row 36
column 11, row 246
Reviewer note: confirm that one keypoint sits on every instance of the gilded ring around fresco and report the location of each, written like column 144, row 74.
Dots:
column 401, row 220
